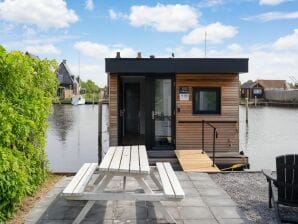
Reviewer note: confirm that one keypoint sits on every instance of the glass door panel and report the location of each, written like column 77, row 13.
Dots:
column 162, row 114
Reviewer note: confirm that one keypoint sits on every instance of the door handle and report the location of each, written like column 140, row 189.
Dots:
column 122, row 112
column 152, row 115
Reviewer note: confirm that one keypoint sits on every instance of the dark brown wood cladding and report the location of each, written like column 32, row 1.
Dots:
column 113, row 109
column 189, row 135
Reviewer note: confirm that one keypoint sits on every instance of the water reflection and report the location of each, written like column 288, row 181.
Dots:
column 72, row 137
column 61, row 121
column 271, row 131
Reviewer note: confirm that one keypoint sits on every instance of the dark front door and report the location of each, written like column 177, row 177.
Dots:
column 162, row 114
column 132, row 108
column 130, row 114
column 146, row 112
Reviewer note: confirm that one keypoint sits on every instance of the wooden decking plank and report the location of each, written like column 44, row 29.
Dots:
column 144, row 164
column 195, row 160
column 174, row 181
column 86, row 178
column 115, row 164
column 167, row 186
column 76, row 179
column 134, row 159
column 105, row 164
column 125, row 160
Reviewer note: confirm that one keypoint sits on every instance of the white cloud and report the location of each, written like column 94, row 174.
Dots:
column 289, row 42
column 216, row 33
column 42, row 49
column 94, row 72
column 234, row 47
column 271, row 2
column 44, row 14
column 271, row 64
column 164, row 18
column 265, row 63
column 270, row 16
column 89, row 5
column 209, row 3
column 117, row 15
column 113, row 14
column 101, row 51
column 181, row 52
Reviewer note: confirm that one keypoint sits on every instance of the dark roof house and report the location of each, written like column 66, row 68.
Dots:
column 65, row 76
column 248, row 85
column 31, row 55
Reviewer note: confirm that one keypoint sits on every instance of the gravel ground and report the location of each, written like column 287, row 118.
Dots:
column 250, row 192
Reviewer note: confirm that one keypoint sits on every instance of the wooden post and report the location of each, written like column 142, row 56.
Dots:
column 255, row 101
column 246, row 107
column 99, row 156
column 103, row 99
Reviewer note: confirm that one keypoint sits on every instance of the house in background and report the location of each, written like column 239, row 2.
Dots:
column 257, row 89
column 31, row 55
column 246, row 89
column 68, row 83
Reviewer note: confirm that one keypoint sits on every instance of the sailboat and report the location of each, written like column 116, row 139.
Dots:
column 78, row 99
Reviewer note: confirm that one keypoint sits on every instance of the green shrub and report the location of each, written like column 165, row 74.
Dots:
column 92, row 90
column 27, row 88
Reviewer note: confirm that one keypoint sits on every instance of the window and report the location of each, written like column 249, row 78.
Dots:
column 206, row 100
column 257, row 91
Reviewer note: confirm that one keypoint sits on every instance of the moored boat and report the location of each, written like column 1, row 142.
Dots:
column 78, row 100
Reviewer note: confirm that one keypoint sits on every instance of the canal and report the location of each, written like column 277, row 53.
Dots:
column 73, row 130
column 72, row 137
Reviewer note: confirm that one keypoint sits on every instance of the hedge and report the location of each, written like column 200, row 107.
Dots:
column 27, row 88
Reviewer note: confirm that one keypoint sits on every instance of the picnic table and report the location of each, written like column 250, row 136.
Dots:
column 125, row 161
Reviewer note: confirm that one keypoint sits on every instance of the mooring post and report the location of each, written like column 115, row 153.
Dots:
column 255, row 101
column 99, row 131
column 246, row 107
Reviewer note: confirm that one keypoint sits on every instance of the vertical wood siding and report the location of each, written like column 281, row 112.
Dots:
column 113, row 108
column 188, row 135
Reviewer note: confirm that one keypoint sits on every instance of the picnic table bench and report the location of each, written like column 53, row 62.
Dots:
column 125, row 161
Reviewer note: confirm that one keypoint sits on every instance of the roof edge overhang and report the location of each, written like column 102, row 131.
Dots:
column 176, row 65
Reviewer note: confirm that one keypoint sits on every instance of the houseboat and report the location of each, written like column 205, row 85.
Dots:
column 175, row 104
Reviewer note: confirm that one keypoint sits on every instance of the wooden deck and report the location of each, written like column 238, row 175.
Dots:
column 195, row 160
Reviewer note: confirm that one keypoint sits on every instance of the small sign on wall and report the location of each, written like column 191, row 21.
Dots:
column 184, row 93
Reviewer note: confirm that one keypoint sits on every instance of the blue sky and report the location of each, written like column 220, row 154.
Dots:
column 265, row 31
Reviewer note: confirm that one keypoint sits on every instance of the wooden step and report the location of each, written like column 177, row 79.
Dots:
column 195, row 160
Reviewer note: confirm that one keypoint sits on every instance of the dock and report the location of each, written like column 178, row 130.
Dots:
column 195, row 160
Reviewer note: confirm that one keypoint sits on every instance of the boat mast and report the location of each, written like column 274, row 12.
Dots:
column 79, row 75
column 205, row 43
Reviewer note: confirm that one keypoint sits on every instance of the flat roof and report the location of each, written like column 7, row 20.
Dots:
column 177, row 65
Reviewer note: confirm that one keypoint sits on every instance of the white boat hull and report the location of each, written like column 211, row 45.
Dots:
column 78, row 100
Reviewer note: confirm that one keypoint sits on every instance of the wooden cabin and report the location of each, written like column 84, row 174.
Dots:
column 257, row 89
column 171, row 104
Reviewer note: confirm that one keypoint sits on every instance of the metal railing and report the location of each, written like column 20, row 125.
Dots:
column 215, row 135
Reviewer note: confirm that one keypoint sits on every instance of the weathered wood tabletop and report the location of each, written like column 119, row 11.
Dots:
column 126, row 160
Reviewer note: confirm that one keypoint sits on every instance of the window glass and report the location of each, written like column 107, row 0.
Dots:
column 206, row 100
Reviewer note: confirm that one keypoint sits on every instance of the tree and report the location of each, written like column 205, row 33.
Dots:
column 91, row 89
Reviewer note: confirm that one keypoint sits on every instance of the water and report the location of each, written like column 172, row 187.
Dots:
column 271, row 131
column 73, row 131
column 72, row 137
